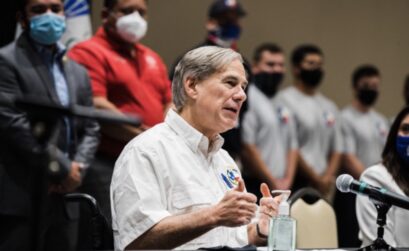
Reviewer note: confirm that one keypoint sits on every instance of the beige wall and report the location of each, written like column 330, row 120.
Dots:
column 350, row 32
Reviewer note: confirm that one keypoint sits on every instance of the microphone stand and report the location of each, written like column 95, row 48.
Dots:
column 380, row 244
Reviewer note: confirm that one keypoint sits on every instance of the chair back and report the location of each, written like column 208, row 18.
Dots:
column 316, row 220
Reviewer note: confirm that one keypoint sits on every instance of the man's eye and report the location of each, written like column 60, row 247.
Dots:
column 231, row 83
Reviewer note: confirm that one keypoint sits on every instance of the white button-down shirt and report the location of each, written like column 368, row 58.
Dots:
column 171, row 170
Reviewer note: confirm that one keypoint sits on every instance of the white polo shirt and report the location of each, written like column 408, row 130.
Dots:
column 269, row 125
column 169, row 170
column 318, row 126
column 364, row 134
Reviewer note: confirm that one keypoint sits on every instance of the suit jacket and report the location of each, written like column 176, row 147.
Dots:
column 22, row 72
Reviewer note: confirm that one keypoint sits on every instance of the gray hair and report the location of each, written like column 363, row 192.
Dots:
column 199, row 64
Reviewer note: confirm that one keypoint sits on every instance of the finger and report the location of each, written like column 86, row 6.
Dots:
column 265, row 191
column 240, row 187
column 249, row 207
column 248, row 197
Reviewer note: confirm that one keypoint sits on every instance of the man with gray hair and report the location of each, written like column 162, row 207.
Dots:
column 173, row 186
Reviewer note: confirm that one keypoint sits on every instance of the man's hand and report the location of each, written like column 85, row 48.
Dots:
column 71, row 182
column 268, row 208
column 237, row 207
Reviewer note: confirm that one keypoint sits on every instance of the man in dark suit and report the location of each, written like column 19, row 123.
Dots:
column 32, row 211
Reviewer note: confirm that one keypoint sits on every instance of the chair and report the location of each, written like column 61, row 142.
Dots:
column 100, row 233
column 316, row 220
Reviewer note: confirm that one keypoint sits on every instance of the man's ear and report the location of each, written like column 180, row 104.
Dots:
column 211, row 24
column 190, row 85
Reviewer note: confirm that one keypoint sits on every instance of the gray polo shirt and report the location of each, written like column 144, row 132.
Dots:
column 364, row 134
column 317, row 125
column 270, row 126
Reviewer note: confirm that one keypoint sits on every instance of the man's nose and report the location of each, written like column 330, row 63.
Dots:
column 240, row 95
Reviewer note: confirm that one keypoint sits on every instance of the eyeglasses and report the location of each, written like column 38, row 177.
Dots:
column 43, row 8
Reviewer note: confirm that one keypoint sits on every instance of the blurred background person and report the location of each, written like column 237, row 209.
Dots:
column 269, row 135
column 363, row 128
column 33, row 215
column 223, row 26
column 126, row 77
column 317, row 122
column 364, row 131
column 393, row 175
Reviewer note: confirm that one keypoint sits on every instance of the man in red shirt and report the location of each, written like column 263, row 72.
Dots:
column 126, row 77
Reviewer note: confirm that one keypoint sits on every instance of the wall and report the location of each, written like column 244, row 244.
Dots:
column 350, row 33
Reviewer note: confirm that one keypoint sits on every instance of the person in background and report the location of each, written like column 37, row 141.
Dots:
column 33, row 215
column 269, row 134
column 317, row 122
column 223, row 26
column 391, row 174
column 127, row 78
column 363, row 128
column 173, row 186
column 364, row 131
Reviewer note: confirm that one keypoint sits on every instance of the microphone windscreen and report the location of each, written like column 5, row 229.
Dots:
column 343, row 182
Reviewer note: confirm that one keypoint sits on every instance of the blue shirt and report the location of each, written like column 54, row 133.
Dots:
column 53, row 59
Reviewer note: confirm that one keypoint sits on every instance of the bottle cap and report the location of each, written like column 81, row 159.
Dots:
column 284, row 207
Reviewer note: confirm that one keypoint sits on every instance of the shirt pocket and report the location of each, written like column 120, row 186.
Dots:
column 186, row 199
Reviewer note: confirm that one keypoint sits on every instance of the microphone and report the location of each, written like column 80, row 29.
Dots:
column 346, row 184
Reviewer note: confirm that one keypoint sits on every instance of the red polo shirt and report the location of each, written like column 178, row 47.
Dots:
column 136, row 85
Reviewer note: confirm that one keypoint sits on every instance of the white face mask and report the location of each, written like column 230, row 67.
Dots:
column 132, row 27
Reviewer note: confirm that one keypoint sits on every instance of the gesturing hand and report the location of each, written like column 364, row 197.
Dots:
column 268, row 208
column 237, row 207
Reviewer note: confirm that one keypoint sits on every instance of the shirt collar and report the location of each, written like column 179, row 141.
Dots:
column 193, row 138
column 102, row 36
column 44, row 50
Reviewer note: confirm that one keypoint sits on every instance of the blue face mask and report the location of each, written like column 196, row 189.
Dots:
column 402, row 147
column 230, row 31
column 47, row 28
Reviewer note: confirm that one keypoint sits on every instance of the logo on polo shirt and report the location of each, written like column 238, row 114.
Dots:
column 231, row 177
column 329, row 119
column 151, row 62
column 381, row 129
column 284, row 115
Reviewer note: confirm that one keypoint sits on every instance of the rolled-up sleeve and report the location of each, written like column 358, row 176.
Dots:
column 136, row 200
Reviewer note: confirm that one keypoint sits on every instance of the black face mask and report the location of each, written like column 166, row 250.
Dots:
column 268, row 82
column 311, row 78
column 367, row 96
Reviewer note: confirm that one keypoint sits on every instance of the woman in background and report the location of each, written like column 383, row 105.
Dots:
column 393, row 175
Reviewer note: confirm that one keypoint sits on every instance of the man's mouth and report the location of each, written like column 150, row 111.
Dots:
column 234, row 110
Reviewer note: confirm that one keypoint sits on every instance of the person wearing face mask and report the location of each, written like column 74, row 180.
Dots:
column 363, row 128
column 32, row 212
column 317, row 123
column 223, row 26
column 269, row 135
column 126, row 77
column 364, row 131
column 392, row 173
